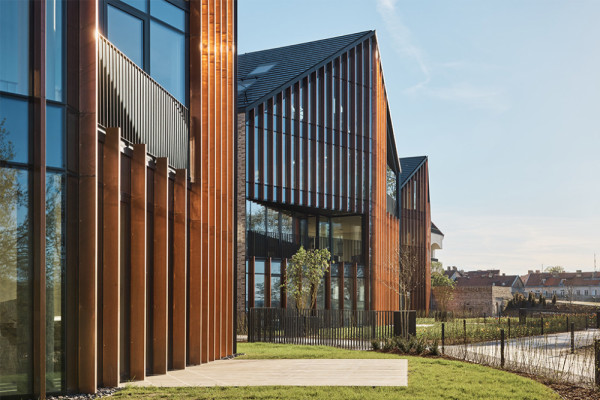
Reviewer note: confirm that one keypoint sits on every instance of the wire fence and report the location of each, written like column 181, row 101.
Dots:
column 558, row 347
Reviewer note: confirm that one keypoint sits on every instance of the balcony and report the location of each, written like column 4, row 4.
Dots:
column 392, row 206
column 128, row 98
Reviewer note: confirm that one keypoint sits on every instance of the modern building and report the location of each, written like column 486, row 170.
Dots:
column 415, row 228
column 321, row 166
column 117, row 190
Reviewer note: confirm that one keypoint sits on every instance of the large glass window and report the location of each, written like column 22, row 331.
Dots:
column 259, row 283
column 127, row 33
column 275, row 283
column 347, row 239
column 14, row 46
column 152, row 34
column 55, row 136
column 55, row 289
column 14, row 129
column 55, row 70
column 15, row 283
column 167, row 59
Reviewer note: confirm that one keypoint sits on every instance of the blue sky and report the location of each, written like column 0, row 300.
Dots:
column 504, row 98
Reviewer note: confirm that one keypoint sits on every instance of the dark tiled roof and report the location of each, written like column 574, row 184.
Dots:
column 482, row 272
column 409, row 165
column 435, row 229
column 500, row 280
column 288, row 62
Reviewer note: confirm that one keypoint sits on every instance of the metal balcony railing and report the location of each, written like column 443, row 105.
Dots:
column 128, row 98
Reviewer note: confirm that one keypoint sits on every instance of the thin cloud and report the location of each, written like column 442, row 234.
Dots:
column 403, row 40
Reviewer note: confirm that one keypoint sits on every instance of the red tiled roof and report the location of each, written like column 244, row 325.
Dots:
column 546, row 279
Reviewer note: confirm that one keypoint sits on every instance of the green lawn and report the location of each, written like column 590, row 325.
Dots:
column 429, row 378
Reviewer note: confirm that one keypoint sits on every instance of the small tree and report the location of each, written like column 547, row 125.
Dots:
column 554, row 299
column 557, row 269
column 304, row 273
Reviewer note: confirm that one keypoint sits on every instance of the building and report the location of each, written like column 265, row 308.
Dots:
column 117, row 155
column 573, row 286
column 483, row 294
column 321, row 172
column 437, row 238
column 415, row 228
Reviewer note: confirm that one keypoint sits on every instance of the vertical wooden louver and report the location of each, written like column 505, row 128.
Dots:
column 212, row 114
column 385, row 229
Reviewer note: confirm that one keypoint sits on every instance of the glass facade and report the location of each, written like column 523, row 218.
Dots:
column 16, row 283
column 153, row 35
column 277, row 234
column 16, row 193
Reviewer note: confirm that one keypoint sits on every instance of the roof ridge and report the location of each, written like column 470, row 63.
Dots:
column 363, row 33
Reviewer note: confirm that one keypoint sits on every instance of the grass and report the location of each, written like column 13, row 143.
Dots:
column 428, row 378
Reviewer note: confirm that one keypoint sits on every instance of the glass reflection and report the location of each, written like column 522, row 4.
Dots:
column 14, row 129
column 55, row 137
column 259, row 290
column 168, row 13
column 127, row 33
column 55, row 265
column 15, row 283
column 14, row 45
column 54, row 49
column 167, row 59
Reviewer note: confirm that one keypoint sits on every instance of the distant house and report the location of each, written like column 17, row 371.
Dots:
column 453, row 273
column 578, row 286
column 437, row 238
column 481, row 294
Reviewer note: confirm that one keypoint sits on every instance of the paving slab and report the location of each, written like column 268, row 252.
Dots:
column 319, row 372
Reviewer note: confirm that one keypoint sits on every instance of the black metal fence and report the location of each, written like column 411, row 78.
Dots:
column 128, row 98
column 349, row 329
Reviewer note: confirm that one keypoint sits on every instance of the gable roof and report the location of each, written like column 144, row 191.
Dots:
column 435, row 229
column 547, row 279
column 409, row 165
column 286, row 65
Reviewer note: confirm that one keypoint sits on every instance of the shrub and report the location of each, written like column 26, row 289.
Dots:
column 554, row 299
column 434, row 349
column 375, row 344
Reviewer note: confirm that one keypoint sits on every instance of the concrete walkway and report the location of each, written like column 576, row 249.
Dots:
column 363, row 372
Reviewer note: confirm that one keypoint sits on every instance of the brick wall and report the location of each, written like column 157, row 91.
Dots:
column 477, row 300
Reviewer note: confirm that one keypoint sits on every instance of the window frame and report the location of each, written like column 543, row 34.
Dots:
column 146, row 18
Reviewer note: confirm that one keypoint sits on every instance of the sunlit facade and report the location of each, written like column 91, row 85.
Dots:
column 117, row 190
column 321, row 172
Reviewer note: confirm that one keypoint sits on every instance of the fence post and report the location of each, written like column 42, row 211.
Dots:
column 502, row 348
column 509, row 327
column 484, row 318
column 542, row 325
column 597, row 361
column 572, row 337
column 597, row 319
column 567, row 323
column 443, row 337
column 465, row 335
